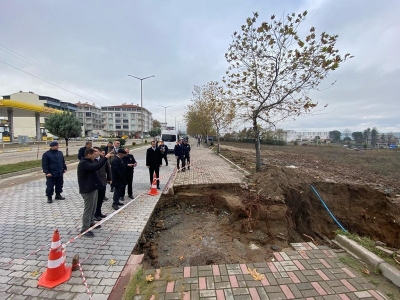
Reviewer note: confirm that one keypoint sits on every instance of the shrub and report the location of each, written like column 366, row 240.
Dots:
column 145, row 141
column 133, row 143
column 122, row 141
column 296, row 143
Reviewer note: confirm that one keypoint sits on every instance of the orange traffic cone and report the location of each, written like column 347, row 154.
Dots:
column 153, row 191
column 56, row 272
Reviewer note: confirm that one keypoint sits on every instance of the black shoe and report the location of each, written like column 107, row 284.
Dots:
column 98, row 226
column 103, row 215
column 188, row 168
column 166, row 165
column 121, row 199
column 131, row 197
column 115, row 206
column 49, row 199
column 105, row 198
column 59, row 197
column 88, row 234
column 120, row 203
column 183, row 170
column 97, row 218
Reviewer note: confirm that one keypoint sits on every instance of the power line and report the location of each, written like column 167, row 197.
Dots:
column 44, row 80
column 19, row 56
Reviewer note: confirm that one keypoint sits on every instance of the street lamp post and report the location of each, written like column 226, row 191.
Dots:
column 141, row 99
column 165, row 114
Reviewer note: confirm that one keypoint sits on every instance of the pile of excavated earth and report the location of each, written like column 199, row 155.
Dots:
column 247, row 223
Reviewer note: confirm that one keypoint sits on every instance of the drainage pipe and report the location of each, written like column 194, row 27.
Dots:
column 333, row 217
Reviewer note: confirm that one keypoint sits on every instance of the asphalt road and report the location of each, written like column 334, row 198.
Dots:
column 36, row 151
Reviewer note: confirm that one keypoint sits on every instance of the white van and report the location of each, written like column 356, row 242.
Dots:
column 170, row 138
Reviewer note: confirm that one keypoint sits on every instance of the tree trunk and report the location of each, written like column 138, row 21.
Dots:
column 218, row 150
column 66, row 147
column 257, row 144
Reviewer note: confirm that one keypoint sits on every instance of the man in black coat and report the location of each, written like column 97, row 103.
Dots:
column 118, row 178
column 53, row 165
column 180, row 155
column 154, row 162
column 130, row 163
column 89, row 182
column 105, row 176
column 164, row 151
column 186, row 150
column 81, row 151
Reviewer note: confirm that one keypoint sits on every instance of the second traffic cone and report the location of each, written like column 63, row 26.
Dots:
column 153, row 191
column 56, row 272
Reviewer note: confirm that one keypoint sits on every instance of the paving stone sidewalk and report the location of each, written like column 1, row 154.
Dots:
column 307, row 272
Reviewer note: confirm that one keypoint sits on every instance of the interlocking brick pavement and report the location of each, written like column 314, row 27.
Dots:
column 27, row 223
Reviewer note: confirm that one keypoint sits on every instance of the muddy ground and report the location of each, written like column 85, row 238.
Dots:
column 234, row 224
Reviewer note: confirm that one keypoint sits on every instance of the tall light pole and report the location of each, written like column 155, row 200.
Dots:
column 165, row 114
column 141, row 98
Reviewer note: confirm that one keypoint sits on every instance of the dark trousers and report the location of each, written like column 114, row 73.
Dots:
column 165, row 158
column 129, row 179
column 157, row 171
column 182, row 159
column 118, row 192
column 100, row 197
column 187, row 160
column 54, row 181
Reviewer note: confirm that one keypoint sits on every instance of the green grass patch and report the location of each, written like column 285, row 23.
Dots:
column 139, row 284
column 369, row 244
column 29, row 164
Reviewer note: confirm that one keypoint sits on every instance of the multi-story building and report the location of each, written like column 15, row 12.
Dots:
column 91, row 119
column 126, row 119
column 27, row 125
column 292, row 135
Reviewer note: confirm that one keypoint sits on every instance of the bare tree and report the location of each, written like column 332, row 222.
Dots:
column 272, row 70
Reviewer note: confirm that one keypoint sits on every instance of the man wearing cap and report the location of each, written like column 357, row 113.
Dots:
column 118, row 178
column 53, row 165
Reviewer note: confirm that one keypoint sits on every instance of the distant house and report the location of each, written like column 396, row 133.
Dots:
column 292, row 135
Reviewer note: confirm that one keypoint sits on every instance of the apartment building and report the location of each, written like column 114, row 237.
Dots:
column 292, row 135
column 126, row 119
column 90, row 117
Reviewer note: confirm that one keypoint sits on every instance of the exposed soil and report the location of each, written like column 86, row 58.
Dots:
column 233, row 224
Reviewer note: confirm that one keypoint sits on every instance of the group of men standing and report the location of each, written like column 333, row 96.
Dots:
column 99, row 167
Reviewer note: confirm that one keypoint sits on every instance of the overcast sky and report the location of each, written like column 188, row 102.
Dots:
column 96, row 44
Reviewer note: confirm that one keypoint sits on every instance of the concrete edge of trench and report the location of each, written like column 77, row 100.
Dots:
column 352, row 247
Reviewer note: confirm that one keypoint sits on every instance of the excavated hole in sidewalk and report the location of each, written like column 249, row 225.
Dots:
column 203, row 225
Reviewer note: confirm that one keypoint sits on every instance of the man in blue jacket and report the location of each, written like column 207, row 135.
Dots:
column 89, row 182
column 53, row 165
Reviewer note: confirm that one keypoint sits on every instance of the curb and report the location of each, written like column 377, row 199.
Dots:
column 26, row 171
column 390, row 272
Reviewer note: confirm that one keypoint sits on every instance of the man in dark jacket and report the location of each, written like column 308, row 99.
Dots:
column 164, row 152
column 130, row 163
column 154, row 162
column 118, row 178
column 180, row 155
column 105, row 176
column 186, row 150
column 81, row 151
column 89, row 182
column 53, row 165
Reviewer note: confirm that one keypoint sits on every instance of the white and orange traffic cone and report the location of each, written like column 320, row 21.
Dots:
column 56, row 272
column 153, row 191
